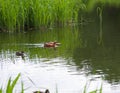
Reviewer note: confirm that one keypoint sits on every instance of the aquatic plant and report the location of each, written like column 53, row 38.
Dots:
column 22, row 87
column 11, row 84
column 94, row 91
column 99, row 11
column 1, row 90
column 21, row 14
column 17, row 15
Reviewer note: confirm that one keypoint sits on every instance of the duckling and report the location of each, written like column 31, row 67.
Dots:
column 20, row 53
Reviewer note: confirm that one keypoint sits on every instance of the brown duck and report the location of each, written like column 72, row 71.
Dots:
column 20, row 53
column 46, row 91
column 51, row 44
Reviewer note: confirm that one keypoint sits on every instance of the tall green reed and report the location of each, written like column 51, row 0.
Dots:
column 94, row 91
column 1, row 90
column 8, row 14
column 100, row 38
column 11, row 84
column 19, row 14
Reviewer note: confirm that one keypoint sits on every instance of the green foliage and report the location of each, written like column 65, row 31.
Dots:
column 19, row 14
column 94, row 91
column 11, row 84
column 101, row 88
column 85, row 89
column 22, row 87
column 99, row 11
column 1, row 90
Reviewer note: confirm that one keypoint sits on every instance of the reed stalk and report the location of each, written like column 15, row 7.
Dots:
column 11, row 84
column 1, row 90
column 100, row 38
column 16, row 15
column 19, row 14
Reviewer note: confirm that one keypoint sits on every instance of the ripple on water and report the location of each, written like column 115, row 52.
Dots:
column 47, row 73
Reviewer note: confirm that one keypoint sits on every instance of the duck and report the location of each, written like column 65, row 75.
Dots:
column 46, row 91
column 51, row 44
column 20, row 53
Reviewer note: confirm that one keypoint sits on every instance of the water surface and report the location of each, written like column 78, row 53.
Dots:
column 81, row 59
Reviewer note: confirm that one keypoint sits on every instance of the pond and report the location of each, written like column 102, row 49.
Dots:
column 84, row 58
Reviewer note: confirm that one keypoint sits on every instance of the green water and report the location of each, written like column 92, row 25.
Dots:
column 83, row 50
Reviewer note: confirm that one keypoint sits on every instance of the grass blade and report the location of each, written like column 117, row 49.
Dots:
column 85, row 88
column 10, row 86
column 22, row 89
column 101, row 88
column 1, row 90
column 8, row 90
column 14, row 82
column 94, row 91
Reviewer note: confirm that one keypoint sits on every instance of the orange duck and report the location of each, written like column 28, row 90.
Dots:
column 51, row 44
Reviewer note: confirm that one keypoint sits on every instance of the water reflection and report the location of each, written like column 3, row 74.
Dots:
column 103, row 61
column 48, row 72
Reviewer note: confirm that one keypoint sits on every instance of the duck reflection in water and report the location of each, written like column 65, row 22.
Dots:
column 21, row 54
